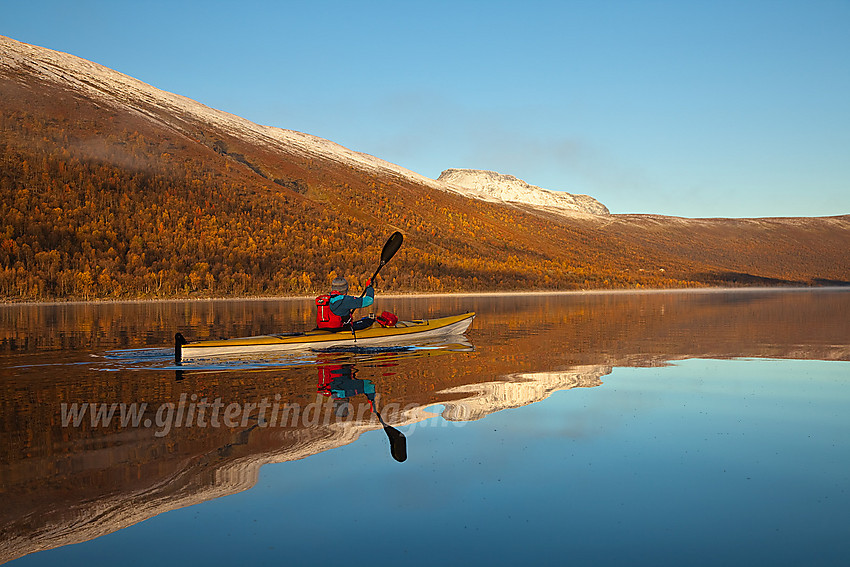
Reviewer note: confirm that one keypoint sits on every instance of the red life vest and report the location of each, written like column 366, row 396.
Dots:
column 325, row 318
column 327, row 374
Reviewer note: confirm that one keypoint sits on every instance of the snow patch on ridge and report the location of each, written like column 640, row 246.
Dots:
column 493, row 186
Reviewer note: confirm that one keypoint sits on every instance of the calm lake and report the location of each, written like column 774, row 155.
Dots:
column 661, row 428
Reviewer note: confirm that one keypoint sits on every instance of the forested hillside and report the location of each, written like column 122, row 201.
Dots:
column 81, row 227
column 100, row 205
column 104, row 200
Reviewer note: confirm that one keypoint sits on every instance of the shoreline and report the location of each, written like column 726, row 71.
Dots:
column 512, row 293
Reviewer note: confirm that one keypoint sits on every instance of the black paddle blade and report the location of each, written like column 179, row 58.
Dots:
column 391, row 247
column 398, row 443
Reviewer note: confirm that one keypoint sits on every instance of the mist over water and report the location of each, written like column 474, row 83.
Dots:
column 677, row 427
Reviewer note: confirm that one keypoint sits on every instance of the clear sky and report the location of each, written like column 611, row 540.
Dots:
column 690, row 108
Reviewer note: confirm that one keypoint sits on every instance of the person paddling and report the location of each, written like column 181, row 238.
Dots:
column 335, row 311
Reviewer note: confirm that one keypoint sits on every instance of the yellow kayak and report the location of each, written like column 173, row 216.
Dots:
column 403, row 331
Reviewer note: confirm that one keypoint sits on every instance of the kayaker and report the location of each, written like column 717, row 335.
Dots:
column 335, row 311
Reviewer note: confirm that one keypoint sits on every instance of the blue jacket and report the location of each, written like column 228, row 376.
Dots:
column 342, row 305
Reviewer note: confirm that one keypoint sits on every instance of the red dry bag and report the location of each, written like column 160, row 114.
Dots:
column 387, row 319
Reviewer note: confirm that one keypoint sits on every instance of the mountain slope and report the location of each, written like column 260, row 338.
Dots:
column 113, row 188
column 181, row 114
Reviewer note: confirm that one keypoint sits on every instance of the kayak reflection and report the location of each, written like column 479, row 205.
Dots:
column 338, row 382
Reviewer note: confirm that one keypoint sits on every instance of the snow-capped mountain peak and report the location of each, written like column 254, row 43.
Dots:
column 493, row 186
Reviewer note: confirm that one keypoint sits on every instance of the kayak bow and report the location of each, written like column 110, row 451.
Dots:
column 402, row 332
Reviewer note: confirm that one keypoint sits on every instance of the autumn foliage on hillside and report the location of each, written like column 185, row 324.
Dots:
column 102, row 203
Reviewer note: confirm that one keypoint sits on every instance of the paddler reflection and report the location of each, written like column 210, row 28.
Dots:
column 338, row 381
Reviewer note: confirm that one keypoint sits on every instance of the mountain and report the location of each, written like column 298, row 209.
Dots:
column 492, row 186
column 115, row 189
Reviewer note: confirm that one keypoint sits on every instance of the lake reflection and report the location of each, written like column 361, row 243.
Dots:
column 650, row 466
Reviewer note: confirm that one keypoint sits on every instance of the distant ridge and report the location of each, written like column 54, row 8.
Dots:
column 493, row 186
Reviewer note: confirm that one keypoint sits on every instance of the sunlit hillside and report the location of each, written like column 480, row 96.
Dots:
column 117, row 191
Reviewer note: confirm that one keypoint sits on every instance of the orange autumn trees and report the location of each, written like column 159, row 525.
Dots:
column 100, row 203
column 137, row 222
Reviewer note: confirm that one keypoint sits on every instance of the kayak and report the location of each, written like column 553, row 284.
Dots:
column 402, row 332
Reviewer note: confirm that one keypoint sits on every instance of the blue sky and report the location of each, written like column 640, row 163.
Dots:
column 698, row 109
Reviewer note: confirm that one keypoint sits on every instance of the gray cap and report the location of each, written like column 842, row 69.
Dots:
column 340, row 285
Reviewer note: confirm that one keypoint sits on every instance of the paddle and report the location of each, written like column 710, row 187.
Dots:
column 390, row 248
column 398, row 442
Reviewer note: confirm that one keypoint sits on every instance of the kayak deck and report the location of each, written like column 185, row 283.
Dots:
column 403, row 331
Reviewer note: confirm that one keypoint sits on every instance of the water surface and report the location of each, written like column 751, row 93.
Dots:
column 693, row 428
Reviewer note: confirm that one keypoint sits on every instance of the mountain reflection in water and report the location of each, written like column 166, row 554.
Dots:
column 66, row 484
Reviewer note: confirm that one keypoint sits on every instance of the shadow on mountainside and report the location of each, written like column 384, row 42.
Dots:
column 745, row 279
